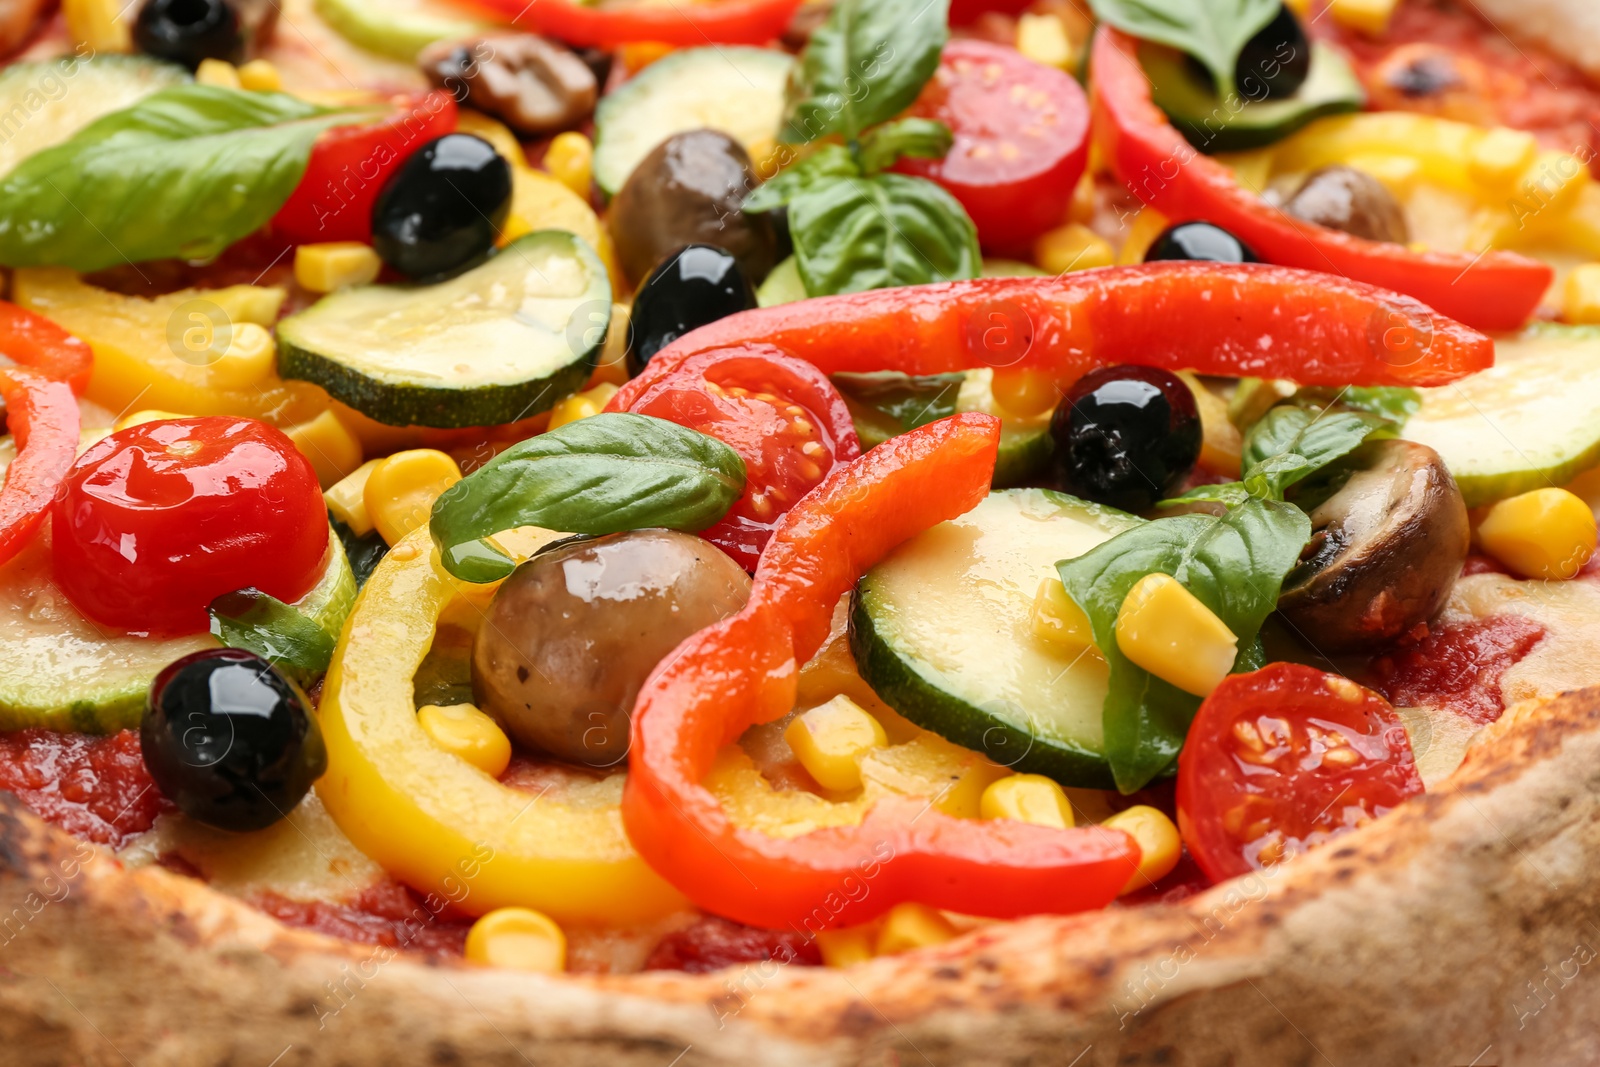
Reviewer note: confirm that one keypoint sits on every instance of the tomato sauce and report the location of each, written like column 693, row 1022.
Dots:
column 713, row 943
column 95, row 788
column 386, row 913
column 1458, row 667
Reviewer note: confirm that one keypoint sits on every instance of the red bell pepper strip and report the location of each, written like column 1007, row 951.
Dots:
column 42, row 415
column 1494, row 290
column 743, row 671
column 1238, row 320
column 686, row 24
column 33, row 341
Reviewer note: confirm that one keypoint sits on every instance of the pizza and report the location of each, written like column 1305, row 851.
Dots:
column 863, row 531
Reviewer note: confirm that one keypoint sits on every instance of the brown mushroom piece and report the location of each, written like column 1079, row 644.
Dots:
column 688, row 190
column 534, row 85
column 1344, row 198
column 572, row 635
column 1385, row 551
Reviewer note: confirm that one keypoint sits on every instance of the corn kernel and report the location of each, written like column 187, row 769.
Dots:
column 1221, row 443
column 582, row 405
column 1548, row 533
column 848, row 945
column 1025, row 392
column 830, row 740
column 1580, row 301
column 1368, row 16
column 98, row 24
column 217, row 72
column 346, row 498
column 1165, row 629
column 139, row 418
column 247, row 356
column 399, row 494
column 332, row 449
column 518, row 938
column 322, row 268
column 1044, row 39
column 260, row 76
column 570, row 160
column 1030, row 798
column 462, row 730
column 1549, row 187
column 1500, row 155
column 1058, row 619
column 912, row 926
column 1158, row 840
column 1072, row 247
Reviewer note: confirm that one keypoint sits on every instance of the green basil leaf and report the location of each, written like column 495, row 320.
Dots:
column 1231, row 494
column 364, row 551
column 863, row 66
column 826, row 164
column 920, row 138
column 273, row 630
column 1315, row 438
column 1234, row 564
column 183, row 174
column 875, row 233
column 1393, row 402
column 908, row 400
column 1213, row 31
column 605, row 474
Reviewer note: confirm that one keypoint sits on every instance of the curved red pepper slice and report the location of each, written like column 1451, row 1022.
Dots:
column 742, row 672
column 1237, row 320
column 1493, row 291
column 687, row 24
column 34, row 341
column 42, row 415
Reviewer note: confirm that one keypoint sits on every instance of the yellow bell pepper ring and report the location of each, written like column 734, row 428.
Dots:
column 432, row 819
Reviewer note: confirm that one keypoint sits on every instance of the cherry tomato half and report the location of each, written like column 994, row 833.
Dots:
column 782, row 415
column 1021, row 141
column 156, row 521
column 349, row 164
column 1284, row 759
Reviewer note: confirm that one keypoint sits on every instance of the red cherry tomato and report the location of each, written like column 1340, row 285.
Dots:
column 156, row 521
column 782, row 415
column 963, row 12
column 349, row 164
column 1284, row 759
column 1021, row 141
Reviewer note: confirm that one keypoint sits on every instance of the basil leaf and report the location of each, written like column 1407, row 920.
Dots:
column 863, row 66
column 605, row 474
column 825, row 164
column 183, row 174
column 1213, row 31
column 1316, row 439
column 1234, row 564
column 874, row 233
column 1231, row 494
column 273, row 630
column 364, row 551
column 921, row 138
column 909, row 401
column 1393, row 402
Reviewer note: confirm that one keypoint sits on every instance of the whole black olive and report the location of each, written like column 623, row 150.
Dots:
column 440, row 212
column 697, row 285
column 1199, row 240
column 188, row 31
column 1125, row 436
column 230, row 740
column 1276, row 61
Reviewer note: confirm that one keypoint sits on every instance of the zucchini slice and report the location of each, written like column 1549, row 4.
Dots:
column 942, row 631
column 499, row 343
column 44, row 103
column 398, row 29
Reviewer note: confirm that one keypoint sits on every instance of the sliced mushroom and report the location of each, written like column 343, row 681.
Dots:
column 572, row 635
column 1385, row 551
column 1344, row 198
column 534, row 85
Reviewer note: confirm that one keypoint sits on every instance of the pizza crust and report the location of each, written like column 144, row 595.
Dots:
column 1568, row 28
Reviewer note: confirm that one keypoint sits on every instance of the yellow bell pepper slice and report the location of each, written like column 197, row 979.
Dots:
column 433, row 820
column 540, row 202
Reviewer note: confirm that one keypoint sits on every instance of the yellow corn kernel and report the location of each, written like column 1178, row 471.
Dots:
column 1549, row 187
column 910, row 926
column 1368, row 16
column 322, row 268
column 260, row 76
column 1548, row 533
column 1500, row 155
column 848, row 945
column 1580, row 298
column 830, row 740
column 346, row 498
column 462, row 730
column 97, row 23
column 248, row 356
column 218, row 72
column 570, row 160
column 1072, row 247
column 582, row 405
column 1026, row 392
column 1221, row 443
column 139, row 418
column 1044, row 39
column 332, row 449
column 1058, row 619
column 399, row 494
column 1165, row 629
column 1159, row 844
column 1030, row 798
column 1142, row 233
column 520, row 939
